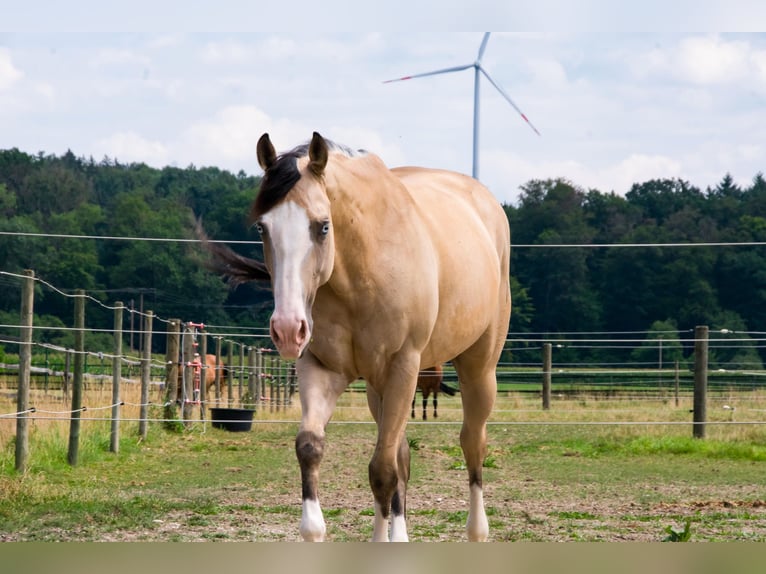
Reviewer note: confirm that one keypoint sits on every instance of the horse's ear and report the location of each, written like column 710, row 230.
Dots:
column 267, row 156
column 317, row 155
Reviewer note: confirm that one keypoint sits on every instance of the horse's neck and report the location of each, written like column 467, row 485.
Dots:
column 367, row 204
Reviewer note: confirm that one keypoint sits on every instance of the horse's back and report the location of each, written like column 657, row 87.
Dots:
column 442, row 193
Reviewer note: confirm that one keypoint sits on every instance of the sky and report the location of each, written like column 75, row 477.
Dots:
column 612, row 109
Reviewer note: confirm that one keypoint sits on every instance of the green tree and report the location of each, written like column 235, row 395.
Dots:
column 731, row 346
column 551, row 212
column 660, row 198
column 53, row 188
column 73, row 263
column 7, row 202
column 661, row 348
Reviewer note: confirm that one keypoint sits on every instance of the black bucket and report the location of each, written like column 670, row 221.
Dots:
column 235, row 420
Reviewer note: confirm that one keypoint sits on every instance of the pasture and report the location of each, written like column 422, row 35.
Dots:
column 588, row 469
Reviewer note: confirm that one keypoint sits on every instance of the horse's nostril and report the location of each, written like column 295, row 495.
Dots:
column 274, row 334
column 303, row 331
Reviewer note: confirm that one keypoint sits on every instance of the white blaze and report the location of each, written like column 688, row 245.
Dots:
column 288, row 228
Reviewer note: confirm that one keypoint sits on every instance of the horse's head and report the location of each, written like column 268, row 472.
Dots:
column 292, row 215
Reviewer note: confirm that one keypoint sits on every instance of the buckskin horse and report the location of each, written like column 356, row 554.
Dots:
column 376, row 274
column 431, row 381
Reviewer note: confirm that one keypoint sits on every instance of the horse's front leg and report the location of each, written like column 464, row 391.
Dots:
column 319, row 390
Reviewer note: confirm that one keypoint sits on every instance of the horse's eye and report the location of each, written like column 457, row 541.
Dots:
column 326, row 228
column 259, row 228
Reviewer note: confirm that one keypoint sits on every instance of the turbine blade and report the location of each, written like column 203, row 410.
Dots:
column 483, row 46
column 434, row 73
column 508, row 99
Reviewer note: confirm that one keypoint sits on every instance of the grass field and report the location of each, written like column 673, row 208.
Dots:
column 586, row 470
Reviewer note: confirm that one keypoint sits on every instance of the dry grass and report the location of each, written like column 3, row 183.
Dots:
column 727, row 412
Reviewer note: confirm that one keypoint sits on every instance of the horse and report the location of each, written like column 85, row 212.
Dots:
column 431, row 381
column 210, row 374
column 376, row 274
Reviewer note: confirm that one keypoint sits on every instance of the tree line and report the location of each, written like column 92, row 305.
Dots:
column 556, row 290
column 666, row 291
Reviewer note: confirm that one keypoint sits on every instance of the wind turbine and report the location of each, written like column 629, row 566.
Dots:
column 478, row 68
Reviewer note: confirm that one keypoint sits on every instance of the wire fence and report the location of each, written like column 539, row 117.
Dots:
column 245, row 373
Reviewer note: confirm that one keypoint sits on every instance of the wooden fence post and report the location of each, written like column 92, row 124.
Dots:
column 700, row 380
column 171, row 373
column 547, row 367
column 252, row 375
column 114, row 435
column 272, row 377
column 258, row 375
column 202, row 374
column 280, row 385
column 187, row 397
column 676, row 381
column 25, row 368
column 67, row 373
column 292, row 384
column 241, row 372
column 146, row 375
column 77, row 382
column 230, row 376
column 218, row 369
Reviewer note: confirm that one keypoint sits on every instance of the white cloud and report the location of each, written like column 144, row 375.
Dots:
column 370, row 140
column 509, row 171
column 751, row 152
column 636, row 168
column 548, row 74
column 129, row 147
column 9, row 75
column 166, row 41
column 712, row 60
column 228, row 139
column 227, row 52
column 758, row 66
column 111, row 57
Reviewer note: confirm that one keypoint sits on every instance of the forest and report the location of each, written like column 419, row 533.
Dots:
column 604, row 269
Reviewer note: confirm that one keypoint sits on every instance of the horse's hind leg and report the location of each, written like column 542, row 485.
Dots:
column 436, row 402
column 425, row 403
column 399, row 518
column 389, row 468
column 478, row 387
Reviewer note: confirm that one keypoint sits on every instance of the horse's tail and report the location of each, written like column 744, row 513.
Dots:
column 445, row 388
column 235, row 268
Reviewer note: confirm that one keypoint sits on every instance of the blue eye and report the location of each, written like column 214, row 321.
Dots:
column 326, row 228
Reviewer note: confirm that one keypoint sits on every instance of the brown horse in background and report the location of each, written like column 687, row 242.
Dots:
column 210, row 371
column 431, row 381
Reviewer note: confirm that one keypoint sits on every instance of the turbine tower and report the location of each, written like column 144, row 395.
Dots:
column 478, row 68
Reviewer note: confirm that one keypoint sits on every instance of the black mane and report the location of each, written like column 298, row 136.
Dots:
column 277, row 181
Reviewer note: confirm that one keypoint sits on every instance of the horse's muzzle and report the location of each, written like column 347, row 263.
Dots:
column 290, row 336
